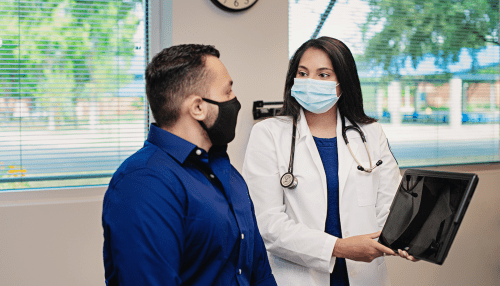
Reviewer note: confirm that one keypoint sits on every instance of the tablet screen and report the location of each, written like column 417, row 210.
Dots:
column 422, row 214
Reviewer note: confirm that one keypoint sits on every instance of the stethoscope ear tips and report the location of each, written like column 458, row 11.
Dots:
column 379, row 162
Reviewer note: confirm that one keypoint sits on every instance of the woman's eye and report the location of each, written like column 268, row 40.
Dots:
column 324, row 75
column 301, row 73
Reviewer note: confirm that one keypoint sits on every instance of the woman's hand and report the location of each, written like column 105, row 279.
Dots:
column 361, row 248
column 405, row 254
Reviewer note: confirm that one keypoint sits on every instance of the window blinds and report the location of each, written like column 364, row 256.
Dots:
column 72, row 91
column 429, row 71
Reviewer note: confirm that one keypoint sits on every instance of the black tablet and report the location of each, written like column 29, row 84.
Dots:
column 426, row 213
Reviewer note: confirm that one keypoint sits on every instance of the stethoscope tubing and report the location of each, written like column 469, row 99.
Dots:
column 363, row 138
column 288, row 180
column 292, row 148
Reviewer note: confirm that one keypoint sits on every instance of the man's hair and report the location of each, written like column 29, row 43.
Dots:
column 173, row 74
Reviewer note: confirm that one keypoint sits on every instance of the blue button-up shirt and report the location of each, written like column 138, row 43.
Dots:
column 176, row 215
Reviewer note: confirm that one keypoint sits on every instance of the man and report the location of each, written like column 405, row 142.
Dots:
column 177, row 212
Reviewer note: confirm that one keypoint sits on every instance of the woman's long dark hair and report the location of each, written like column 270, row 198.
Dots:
column 350, row 104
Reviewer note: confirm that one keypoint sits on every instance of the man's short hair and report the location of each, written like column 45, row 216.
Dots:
column 173, row 74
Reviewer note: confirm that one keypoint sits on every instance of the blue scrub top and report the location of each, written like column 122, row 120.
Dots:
column 327, row 148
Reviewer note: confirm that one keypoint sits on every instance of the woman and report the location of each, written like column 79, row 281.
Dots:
column 323, row 231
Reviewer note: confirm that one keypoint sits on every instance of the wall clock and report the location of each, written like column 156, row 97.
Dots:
column 234, row 5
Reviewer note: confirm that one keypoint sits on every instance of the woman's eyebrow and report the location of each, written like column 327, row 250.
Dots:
column 322, row 69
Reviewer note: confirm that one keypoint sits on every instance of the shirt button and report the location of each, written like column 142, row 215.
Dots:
column 346, row 234
column 198, row 152
column 242, row 236
column 212, row 176
column 239, row 272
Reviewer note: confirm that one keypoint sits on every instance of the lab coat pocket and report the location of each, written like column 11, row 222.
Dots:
column 366, row 186
column 382, row 270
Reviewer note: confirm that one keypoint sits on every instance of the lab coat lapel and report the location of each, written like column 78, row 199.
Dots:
column 305, row 134
column 345, row 158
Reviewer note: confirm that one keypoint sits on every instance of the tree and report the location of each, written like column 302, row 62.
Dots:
column 415, row 28
column 59, row 50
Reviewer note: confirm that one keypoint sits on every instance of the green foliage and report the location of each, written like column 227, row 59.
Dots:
column 53, row 50
column 417, row 27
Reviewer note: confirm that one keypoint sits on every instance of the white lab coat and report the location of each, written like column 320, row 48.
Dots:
column 292, row 221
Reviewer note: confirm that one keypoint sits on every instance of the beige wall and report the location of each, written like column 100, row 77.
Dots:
column 51, row 237
column 474, row 256
column 54, row 237
column 254, row 49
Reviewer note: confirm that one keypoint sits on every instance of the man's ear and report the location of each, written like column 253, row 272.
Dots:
column 196, row 107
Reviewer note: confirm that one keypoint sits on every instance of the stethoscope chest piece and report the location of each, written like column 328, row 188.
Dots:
column 289, row 181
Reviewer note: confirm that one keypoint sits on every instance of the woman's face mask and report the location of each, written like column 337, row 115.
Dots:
column 316, row 96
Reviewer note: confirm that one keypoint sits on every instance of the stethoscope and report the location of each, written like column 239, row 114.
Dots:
column 289, row 181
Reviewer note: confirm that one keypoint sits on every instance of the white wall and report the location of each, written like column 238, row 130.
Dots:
column 55, row 237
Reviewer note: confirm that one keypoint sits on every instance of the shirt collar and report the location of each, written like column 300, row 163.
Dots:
column 172, row 144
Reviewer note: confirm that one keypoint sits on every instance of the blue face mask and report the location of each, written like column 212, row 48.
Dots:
column 316, row 96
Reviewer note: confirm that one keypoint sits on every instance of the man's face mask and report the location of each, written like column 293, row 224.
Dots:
column 223, row 130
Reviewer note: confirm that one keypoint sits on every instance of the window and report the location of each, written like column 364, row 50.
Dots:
column 429, row 71
column 72, row 90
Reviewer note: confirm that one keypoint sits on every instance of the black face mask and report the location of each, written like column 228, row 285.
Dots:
column 223, row 130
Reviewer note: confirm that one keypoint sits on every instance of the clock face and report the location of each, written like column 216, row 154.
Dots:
column 234, row 5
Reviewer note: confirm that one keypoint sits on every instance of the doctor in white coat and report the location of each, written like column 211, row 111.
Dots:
column 323, row 231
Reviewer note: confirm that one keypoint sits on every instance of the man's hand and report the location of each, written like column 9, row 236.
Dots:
column 361, row 248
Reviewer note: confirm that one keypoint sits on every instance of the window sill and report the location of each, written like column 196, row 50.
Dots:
column 52, row 196
column 96, row 193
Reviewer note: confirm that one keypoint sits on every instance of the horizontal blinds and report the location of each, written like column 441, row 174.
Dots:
column 72, row 92
column 429, row 71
